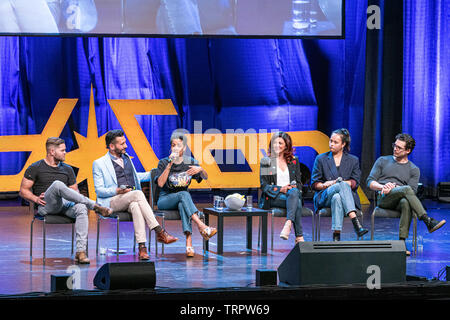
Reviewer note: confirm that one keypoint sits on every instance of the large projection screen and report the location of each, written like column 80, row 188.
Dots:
column 174, row 18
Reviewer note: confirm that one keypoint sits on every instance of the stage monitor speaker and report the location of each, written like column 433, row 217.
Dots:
column 344, row 262
column 266, row 277
column 58, row 282
column 444, row 191
column 126, row 275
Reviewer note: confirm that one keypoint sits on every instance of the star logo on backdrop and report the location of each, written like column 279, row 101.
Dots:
column 89, row 149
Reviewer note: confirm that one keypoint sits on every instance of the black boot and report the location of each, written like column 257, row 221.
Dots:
column 360, row 231
column 432, row 224
column 336, row 236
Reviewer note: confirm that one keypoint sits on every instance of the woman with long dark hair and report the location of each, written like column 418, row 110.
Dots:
column 174, row 175
column 281, row 184
column 335, row 178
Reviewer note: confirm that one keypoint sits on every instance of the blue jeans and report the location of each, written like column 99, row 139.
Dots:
column 292, row 201
column 339, row 198
column 182, row 201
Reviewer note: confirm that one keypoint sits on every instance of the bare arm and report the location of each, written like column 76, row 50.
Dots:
column 27, row 193
column 164, row 175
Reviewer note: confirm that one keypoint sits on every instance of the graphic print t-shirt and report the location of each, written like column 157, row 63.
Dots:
column 178, row 179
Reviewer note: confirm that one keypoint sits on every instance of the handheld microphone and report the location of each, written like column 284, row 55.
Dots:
column 293, row 183
column 339, row 180
column 123, row 187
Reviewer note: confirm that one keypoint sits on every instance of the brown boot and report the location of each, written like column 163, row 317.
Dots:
column 165, row 238
column 105, row 212
column 143, row 255
column 81, row 258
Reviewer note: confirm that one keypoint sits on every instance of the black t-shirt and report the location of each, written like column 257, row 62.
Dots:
column 177, row 180
column 44, row 175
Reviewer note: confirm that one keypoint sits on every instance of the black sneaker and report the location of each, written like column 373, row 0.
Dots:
column 433, row 224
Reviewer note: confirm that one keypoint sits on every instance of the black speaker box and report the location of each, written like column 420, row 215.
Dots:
column 266, row 277
column 126, row 275
column 58, row 282
column 444, row 191
column 343, row 262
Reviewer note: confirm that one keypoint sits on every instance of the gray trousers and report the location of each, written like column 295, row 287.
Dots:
column 60, row 199
column 402, row 199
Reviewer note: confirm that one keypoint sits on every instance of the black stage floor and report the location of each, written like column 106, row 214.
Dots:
column 207, row 275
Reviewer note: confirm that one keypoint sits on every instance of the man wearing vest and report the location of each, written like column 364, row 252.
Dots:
column 118, row 185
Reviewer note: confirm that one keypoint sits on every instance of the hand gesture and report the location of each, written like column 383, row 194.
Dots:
column 193, row 170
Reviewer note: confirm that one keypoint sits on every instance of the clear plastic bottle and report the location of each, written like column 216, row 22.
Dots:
column 301, row 15
column 314, row 7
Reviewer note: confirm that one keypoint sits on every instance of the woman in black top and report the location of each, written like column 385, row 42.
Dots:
column 174, row 175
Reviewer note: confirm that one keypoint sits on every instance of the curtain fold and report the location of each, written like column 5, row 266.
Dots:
column 426, row 90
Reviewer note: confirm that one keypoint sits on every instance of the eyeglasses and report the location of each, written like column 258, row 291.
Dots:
column 394, row 146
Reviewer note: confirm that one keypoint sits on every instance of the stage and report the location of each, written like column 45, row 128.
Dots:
column 231, row 275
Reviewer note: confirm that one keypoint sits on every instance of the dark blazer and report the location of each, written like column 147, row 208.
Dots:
column 325, row 170
column 268, row 179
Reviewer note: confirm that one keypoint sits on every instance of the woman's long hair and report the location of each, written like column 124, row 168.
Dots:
column 288, row 153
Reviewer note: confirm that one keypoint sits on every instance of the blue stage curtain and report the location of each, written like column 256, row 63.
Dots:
column 426, row 89
column 263, row 84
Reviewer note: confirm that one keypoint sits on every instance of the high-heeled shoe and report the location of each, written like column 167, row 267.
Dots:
column 286, row 231
column 190, row 252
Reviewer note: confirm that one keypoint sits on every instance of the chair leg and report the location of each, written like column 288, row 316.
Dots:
column 272, row 230
column 31, row 239
column 259, row 230
column 134, row 244
column 117, row 237
column 156, row 245
column 372, row 226
column 73, row 227
column 43, row 232
column 98, row 235
column 415, row 235
column 149, row 240
column 312, row 227
column 204, row 241
column 164, row 227
column 318, row 227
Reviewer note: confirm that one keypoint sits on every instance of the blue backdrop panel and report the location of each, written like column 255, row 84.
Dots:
column 426, row 90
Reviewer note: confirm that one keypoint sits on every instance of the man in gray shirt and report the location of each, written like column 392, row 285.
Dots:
column 396, row 179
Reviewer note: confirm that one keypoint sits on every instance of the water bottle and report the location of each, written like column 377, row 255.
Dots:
column 314, row 7
column 419, row 244
column 301, row 15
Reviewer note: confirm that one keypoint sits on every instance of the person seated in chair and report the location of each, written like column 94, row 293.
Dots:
column 281, row 184
column 51, row 185
column 118, row 185
column 335, row 178
column 173, row 177
column 396, row 178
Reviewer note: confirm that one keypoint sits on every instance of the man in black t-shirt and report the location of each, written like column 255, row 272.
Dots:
column 51, row 185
